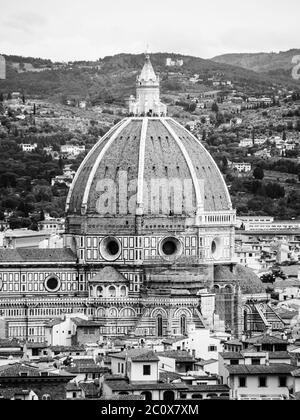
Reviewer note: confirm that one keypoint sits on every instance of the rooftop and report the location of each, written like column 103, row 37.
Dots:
column 231, row 355
column 272, row 369
column 179, row 356
column 108, row 275
column 136, row 355
column 37, row 255
column 266, row 339
column 28, row 370
column 279, row 355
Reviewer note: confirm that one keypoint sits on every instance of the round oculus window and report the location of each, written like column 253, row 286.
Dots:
column 110, row 248
column 52, row 284
column 216, row 248
column 170, row 248
column 213, row 247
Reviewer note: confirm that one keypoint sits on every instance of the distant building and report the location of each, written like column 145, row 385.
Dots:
column 260, row 142
column 23, row 381
column 52, row 225
column 2, row 68
column 266, row 101
column 242, row 167
column 264, row 154
column 245, row 221
column 174, row 63
column 287, row 289
column 200, row 343
column 62, row 179
column 256, row 224
column 248, row 255
column 72, row 150
column 82, row 104
column 28, row 148
column 23, row 238
column 246, row 143
column 139, row 372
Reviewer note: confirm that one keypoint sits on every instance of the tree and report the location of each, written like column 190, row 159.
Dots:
column 193, row 107
column 284, row 136
column 224, row 164
column 268, row 278
column 274, row 190
column 258, row 173
column 215, row 107
column 42, row 215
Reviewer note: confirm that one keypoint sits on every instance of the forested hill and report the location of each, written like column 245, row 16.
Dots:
column 113, row 78
column 261, row 62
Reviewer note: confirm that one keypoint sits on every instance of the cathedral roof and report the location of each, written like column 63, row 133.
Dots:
column 138, row 151
column 108, row 275
column 37, row 255
column 248, row 281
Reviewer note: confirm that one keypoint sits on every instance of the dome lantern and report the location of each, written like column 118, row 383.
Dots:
column 147, row 102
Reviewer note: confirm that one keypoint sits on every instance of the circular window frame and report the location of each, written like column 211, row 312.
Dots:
column 217, row 244
column 105, row 253
column 179, row 248
column 58, row 284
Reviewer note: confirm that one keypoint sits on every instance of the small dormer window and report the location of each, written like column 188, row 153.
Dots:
column 24, row 374
column 44, row 374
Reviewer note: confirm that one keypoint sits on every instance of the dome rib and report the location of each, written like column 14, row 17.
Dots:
column 200, row 202
column 85, row 160
column 123, row 124
column 149, row 148
column 140, row 190
column 212, row 160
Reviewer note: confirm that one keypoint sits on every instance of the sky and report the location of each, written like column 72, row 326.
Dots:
column 67, row 30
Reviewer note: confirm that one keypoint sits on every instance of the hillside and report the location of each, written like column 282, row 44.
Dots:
column 261, row 62
column 112, row 79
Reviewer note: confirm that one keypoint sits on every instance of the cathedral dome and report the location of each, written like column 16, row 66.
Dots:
column 150, row 165
column 139, row 157
column 242, row 276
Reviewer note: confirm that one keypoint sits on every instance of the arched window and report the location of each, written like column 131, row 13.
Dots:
column 147, row 395
column 99, row 291
column 112, row 291
column 127, row 312
column 228, row 289
column 123, row 291
column 183, row 329
column 169, row 396
column 101, row 313
column 216, row 289
column 245, row 321
column 211, row 396
column 159, row 325
column 46, row 397
column 113, row 313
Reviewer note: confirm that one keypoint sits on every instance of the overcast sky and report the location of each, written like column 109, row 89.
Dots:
column 88, row 29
